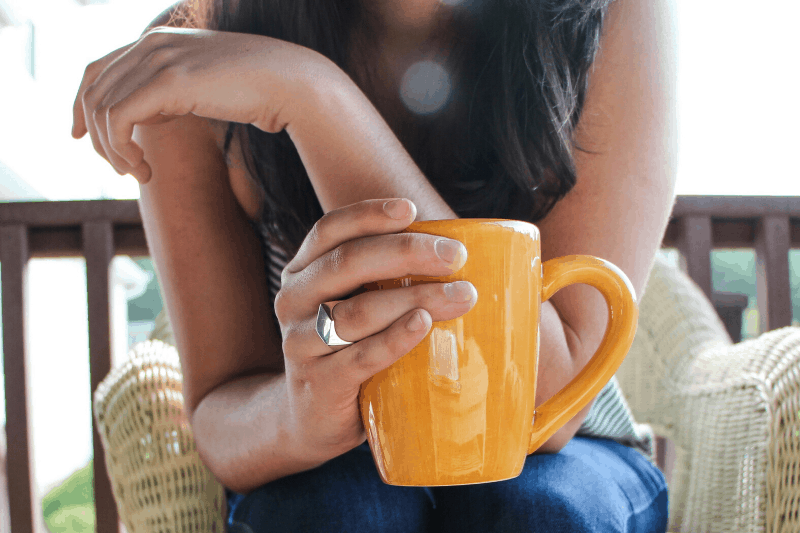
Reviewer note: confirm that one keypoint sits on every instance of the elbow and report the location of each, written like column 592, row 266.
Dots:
column 214, row 449
column 202, row 433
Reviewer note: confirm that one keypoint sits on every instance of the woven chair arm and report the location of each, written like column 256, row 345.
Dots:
column 159, row 482
column 739, row 436
column 730, row 410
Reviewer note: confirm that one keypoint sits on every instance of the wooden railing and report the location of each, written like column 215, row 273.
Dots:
column 97, row 230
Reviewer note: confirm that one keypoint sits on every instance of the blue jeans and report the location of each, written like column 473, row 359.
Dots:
column 592, row 484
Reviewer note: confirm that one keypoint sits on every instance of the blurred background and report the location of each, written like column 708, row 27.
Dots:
column 737, row 109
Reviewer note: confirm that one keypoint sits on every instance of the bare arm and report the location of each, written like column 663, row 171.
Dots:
column 195, row 212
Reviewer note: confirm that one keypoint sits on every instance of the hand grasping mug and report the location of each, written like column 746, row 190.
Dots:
column 459, row 406
column 346, row 249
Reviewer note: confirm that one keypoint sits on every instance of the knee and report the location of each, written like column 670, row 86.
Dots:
column 557, row 507
column 544, row 507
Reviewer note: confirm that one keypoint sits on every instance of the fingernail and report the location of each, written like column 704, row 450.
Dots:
column 397, row 209
column 458, row 291
column 451, row 252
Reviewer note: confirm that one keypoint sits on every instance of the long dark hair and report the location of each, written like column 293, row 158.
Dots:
column 503, row 145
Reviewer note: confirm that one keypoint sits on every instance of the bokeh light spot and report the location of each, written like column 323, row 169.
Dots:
column 425, row 87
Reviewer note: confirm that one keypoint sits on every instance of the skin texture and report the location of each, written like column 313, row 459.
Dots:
column 247, row 390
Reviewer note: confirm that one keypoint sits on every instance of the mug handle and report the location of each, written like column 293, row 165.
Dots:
column 623, row 318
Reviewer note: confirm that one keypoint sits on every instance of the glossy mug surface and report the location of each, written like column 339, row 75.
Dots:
column 459, row 408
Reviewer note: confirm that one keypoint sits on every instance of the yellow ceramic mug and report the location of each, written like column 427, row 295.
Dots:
column 459, row 408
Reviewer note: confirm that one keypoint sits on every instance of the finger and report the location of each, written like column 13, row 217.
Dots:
column 360, row 361
column 121, row 165
column 371, row 312
column 337, row 273
column 129, row 72
column 368, row 217
column 89, row 121
column 374, row 311
column 165, row 93
column 92, row 71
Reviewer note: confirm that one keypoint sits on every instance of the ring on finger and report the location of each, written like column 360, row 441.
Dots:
column 326, row 329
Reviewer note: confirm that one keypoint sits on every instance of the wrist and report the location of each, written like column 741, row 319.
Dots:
column 315, row 84
column 287, row 77
column 299, row 448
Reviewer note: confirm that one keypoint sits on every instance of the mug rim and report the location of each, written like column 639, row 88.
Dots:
column 505, row 222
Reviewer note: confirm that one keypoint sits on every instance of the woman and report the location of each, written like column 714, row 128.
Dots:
column 300, row 120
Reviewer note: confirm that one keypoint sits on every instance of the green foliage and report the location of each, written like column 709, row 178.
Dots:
column 69, row 508
column 734, row 270
column 148, row 305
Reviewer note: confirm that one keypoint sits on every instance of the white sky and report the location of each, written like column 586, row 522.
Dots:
column 737, row 106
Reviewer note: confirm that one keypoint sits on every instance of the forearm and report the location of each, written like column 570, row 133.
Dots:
column 350, row 152
column 560, row 360
column 239, row 432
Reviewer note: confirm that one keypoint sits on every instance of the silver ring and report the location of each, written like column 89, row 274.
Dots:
column 325, row 328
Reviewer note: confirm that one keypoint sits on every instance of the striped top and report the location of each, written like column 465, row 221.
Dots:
column 610, row 417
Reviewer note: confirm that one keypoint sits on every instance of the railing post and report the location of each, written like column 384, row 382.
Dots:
column 98, row 248
column 695, row 243
column 24, row 506
column 772, row 272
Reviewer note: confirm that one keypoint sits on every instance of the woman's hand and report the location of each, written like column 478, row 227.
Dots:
column 347, row 248
column 170, row 72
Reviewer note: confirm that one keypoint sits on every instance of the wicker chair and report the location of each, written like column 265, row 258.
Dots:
column 731, row 411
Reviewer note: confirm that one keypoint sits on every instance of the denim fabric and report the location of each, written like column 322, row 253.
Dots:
column 591, row 485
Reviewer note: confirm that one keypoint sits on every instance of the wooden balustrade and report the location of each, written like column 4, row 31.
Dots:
column 99, row 229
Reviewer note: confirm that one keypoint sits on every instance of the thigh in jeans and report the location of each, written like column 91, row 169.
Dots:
column 343, row 495
column 591, row 485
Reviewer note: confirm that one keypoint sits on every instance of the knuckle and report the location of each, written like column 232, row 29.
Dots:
column 154, row 35
column 93, row 68
column 406, row 244
column 115, row 142
column 285, row 275
column 162, row 54
column 89, row 97
column 340, row 259
column 291, row 343
column 359, row 358
column 173, row 73
column 429, row 295
column 281, row 304
column 112, row 111
column 352, row 313
column 318, row 232
column 99, row 112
